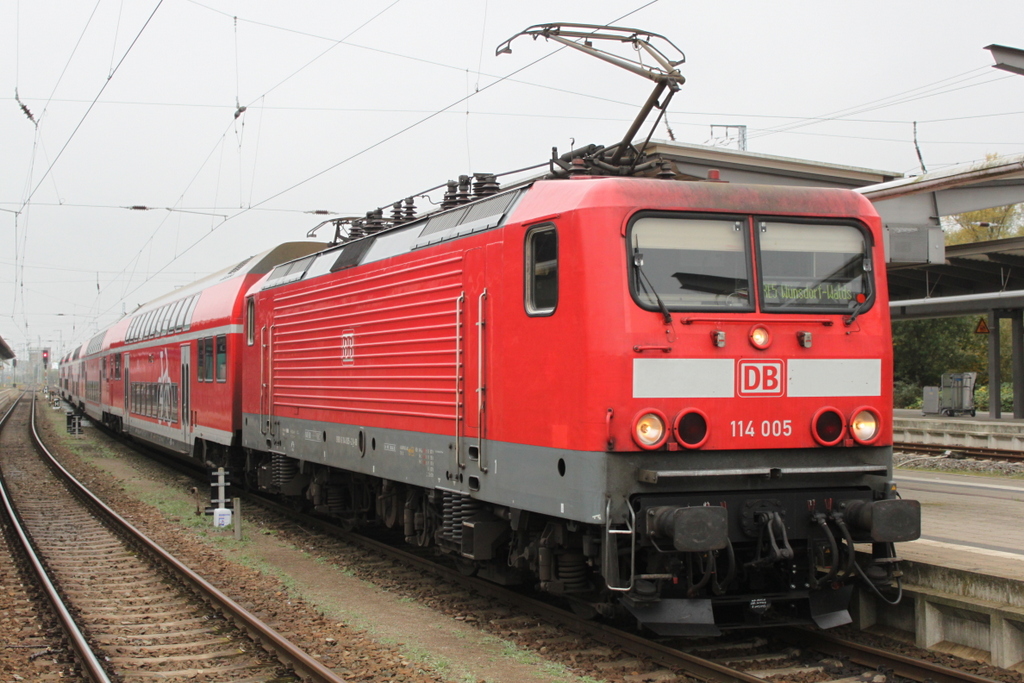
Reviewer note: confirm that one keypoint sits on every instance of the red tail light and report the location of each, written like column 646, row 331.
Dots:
column 691, row 428
column 828, row 426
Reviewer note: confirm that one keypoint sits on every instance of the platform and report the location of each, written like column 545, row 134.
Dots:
column 981, row 431
column 964, row 579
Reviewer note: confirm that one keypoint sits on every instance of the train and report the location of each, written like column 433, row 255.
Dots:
column 662, row 399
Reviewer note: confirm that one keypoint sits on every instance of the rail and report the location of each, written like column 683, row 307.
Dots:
column 1000, row 454
column 303, row 664
column 83, row 651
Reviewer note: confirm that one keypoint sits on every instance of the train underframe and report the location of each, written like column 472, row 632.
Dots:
column 676, row 564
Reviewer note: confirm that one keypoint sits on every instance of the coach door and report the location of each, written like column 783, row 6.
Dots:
column 186, row 395
column 127, row 387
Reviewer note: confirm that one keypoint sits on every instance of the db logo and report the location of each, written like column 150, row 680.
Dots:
column 761, row 377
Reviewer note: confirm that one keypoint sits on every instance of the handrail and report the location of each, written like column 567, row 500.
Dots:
column 458, row 380
column 480, row 385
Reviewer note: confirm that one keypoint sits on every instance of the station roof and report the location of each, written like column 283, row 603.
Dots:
column 971, row 278
column 975, row 278
column 738, row 166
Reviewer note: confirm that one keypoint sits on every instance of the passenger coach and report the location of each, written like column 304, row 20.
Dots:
column 168, row 374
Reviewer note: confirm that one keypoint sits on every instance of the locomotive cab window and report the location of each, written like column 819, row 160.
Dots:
column 541, row 271
column 813, row 267
column 690, row 263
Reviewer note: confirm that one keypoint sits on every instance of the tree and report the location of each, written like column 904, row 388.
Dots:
column 925, row 349
column 985, row 224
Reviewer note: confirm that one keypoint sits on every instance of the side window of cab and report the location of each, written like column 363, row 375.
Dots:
column 541, row 256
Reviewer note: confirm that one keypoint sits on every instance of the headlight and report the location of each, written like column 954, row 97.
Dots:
column 865, row 425
column 760, row 338
column 649, row 429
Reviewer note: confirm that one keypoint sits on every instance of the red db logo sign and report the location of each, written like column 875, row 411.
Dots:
column 761, row 377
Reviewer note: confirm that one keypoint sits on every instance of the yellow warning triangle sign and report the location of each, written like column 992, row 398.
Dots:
column 982, row 327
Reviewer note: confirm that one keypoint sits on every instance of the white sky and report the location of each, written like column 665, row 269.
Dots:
column 338, row 95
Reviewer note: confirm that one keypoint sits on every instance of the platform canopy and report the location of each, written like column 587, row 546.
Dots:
column 982, row 278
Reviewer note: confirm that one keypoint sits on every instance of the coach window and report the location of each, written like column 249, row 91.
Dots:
column 200, row 360
column 172, row 319
column 541, row 271
column 208, row 359
column 250, row 322
column 222, row 358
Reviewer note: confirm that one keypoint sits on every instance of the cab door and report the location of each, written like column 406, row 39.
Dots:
column 266, row 342
column 479, row 296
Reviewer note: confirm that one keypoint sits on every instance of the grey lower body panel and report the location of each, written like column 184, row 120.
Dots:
column 570, row 484
column 563, row 483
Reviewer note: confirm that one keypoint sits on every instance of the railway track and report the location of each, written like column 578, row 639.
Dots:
column 36, row 648
column 1002, row 455
column 782, row 653
column 597, row 648
column 138, row 612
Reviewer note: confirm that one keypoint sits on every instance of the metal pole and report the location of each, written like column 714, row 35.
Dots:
column 1018, row 363
column 236, row 503
column 994, row 379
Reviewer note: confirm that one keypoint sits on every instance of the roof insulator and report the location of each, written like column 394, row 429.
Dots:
column 579, row 167
column 450, row 196
column 485, row 184
column 462, row 197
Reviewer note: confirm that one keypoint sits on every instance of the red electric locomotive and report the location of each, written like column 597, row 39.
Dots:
column 673, row 393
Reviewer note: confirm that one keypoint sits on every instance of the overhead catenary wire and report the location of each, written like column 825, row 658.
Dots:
column 355, row 155
column 92, row 104
column 238, row 111
column 930, row 90
column 677, row 112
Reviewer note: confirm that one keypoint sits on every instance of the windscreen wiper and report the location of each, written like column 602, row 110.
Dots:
column 863, row 305
column 638, row 264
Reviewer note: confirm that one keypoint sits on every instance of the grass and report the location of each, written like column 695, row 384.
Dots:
column 178, row 506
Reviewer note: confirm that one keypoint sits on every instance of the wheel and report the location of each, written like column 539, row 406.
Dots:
column 973, row 413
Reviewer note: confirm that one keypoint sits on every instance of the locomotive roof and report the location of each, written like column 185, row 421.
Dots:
column 547, row 197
